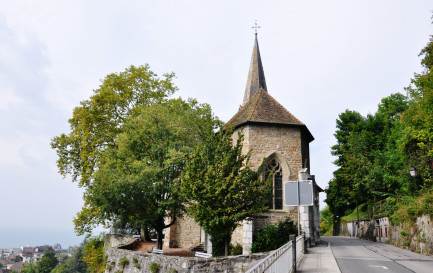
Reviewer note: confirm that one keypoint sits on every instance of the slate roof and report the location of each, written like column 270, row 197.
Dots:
column 263, row 108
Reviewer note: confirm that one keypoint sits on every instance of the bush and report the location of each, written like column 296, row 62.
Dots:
column 235, row 249
column 123, row 261
column 93, row 251
column 154, row 267
column 273, row 236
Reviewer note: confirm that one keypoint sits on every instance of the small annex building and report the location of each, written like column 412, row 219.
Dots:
column 272, row 134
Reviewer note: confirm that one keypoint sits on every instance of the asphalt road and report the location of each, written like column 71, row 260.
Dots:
column 355, row 255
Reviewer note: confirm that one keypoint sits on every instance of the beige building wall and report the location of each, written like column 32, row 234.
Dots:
column 184, row 234
column 287, row 145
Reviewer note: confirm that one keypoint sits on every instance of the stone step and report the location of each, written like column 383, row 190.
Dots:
column 199, row 247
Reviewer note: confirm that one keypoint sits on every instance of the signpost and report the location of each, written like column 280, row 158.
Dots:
column 298, row 193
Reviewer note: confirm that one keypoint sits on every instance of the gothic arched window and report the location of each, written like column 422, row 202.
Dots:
column 276, row 201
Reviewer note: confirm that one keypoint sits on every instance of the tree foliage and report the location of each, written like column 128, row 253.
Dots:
column 73, row 264
column 374, row 153
column 419, row 119
column 221, row 189
column 273, row 236
column 47, row 263
column 98, row 121
column 29, row 268
column 18, row 259
column 138, row 179
column 93, row 251
column 96, row 125
column 369, row 157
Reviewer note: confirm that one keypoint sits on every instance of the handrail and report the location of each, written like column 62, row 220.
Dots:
column 269, row 260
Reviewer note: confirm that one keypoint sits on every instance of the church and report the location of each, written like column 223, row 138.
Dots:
column 272, row 134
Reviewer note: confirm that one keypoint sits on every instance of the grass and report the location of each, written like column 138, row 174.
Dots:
column 354, row 216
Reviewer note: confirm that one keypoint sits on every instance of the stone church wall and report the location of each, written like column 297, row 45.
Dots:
column 184, row 234
column 265, row 140
column 291, row 151
column 274, row 217
column 237, row 235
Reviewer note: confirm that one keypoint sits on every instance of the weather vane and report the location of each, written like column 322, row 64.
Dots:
column 256, row 26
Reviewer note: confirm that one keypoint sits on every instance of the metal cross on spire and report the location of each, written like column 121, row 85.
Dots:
column 255, row 26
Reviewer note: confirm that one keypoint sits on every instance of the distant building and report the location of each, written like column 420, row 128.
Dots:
column 57, row 247
column 34, row 254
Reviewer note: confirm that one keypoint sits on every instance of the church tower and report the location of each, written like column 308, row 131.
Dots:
column 276, row 137
column 270, row 131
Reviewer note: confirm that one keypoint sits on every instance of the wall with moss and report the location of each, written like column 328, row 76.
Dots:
column 417, row 236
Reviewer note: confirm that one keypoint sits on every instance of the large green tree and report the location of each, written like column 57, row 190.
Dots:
column 221, row 189
column 368, row 156
column 339, row 189
column 138, row 178
column 97, row 122
column 419, row 120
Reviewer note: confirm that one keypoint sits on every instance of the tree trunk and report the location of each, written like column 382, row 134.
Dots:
column 226, row 245
column 147, row 235
column 142, row 235
column 159, row 240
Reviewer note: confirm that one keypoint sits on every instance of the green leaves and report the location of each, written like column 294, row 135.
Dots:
column 97, row 122
column 137, row 181
column 47, row 263
column 369, row 156
column 375, row 152
column 127, row 147
column 220, row 187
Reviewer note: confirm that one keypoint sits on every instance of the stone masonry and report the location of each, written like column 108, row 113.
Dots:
column 128, row 261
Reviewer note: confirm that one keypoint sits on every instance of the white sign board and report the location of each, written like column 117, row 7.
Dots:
column 305, row 193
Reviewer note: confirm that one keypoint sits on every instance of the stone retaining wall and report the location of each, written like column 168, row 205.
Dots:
column 137, row 261
column 417, row 238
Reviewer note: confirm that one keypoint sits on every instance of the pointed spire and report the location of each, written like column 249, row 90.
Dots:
column 256, row 76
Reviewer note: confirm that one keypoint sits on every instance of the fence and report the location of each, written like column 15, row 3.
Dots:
column 280, row 260
column 299, row 247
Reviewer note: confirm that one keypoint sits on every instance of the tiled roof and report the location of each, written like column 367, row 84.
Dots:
column 263, row 108
column 17, row 266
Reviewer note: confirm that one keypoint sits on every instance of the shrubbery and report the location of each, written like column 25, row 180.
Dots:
column 94, row 254
column 273, row 236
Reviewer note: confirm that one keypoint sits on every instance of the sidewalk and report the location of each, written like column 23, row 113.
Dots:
column 319, row 259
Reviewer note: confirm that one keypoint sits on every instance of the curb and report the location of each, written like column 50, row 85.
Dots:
column 333, row 257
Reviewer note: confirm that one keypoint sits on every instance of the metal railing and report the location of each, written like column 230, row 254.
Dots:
column 279, row 260
column 299, row 247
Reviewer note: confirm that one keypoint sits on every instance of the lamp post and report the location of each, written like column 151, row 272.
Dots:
column 412, row 171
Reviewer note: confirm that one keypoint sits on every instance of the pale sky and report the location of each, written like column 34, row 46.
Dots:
column 320, row 58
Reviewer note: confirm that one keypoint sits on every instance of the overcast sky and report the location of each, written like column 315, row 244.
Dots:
column 320, row 58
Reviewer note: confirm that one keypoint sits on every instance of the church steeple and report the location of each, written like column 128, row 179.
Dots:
column 256, row 76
